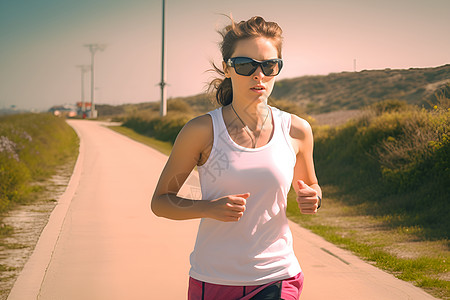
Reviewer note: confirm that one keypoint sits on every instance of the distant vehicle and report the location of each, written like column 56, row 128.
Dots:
column 68, row 111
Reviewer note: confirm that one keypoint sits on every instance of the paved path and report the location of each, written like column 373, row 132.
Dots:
column 103, row 242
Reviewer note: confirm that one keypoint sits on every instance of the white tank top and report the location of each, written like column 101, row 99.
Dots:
column 257, row 249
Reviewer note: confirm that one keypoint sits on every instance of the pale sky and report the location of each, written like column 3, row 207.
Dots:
column 41, row 43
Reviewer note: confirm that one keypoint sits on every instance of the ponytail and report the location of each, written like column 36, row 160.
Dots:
column 224, row 93
column 221, row 87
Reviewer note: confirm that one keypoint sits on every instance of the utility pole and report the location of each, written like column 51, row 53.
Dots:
column 93, row 48
column 354, row 65
column 84, row 69
column 163, row 107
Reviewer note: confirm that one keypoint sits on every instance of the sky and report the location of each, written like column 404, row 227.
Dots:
column 41, row 43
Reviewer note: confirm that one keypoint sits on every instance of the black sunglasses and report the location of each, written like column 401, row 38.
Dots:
column 246, row 66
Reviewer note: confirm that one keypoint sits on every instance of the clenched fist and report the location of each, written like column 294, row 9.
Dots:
column 229, row 208
column 307, row 199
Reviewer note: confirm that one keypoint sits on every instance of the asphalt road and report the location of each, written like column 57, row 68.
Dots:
column 103, row 242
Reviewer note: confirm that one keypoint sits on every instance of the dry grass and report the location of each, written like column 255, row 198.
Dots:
column 401, row 251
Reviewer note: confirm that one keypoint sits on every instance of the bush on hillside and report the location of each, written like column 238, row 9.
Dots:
column 178, row 105
column 397, row 161
column 388, row 106
column 418, row 148
column 162, row 128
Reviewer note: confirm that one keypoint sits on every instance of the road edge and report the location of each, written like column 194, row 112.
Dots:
column 28, row 283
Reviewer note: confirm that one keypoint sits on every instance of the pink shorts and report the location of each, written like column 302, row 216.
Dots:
column 287, row 289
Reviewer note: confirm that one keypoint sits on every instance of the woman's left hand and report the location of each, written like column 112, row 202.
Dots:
column 307, row 199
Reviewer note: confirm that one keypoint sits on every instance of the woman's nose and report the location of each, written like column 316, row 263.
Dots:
column 258, row 73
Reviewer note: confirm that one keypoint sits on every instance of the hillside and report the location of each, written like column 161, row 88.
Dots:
column 327, row 93
column 354, row 90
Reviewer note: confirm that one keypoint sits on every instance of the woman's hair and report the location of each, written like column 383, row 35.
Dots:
column 233, row 33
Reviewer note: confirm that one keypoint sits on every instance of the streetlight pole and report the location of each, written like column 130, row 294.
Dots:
column 84, row 69
column 163, row 107
column 93, row 48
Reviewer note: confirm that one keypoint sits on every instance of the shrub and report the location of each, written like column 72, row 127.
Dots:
column 179, row 105
column 31, row 147
column 395, row 161
column 390, row 105
column 162, row 128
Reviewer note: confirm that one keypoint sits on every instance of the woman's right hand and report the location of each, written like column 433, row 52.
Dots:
column 227, row 209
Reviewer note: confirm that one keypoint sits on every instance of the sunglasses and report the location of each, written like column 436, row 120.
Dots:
column 247, row 66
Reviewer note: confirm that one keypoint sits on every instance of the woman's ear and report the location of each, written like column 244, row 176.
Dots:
column 226, row 70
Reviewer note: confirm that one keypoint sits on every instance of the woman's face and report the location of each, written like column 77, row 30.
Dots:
column 257, row 87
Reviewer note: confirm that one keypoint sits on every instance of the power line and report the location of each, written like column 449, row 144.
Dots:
column 163, row 107
column 84, row 69
column 93, row 48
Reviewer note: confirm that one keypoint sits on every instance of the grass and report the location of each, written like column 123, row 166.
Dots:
column 4, row 268
column 32, row 147
column 386, row 182
column 393, row 165
column 13, row 245
column 5, row 230
column 399, row 250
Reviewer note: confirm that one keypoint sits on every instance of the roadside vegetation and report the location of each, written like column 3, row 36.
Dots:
column 37, row 151
column 386, row 181
column 32, row 147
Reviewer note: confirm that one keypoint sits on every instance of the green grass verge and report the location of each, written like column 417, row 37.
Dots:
column 32, row 148
column 163, row 147
column 402, row 251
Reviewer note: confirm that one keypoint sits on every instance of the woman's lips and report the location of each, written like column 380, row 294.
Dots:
column 258, row 88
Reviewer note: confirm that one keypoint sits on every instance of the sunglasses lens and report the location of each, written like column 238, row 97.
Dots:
column 244, row 66
column 271, row 67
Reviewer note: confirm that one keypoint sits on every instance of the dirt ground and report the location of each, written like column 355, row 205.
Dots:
column 27, row 222
column 336, row 118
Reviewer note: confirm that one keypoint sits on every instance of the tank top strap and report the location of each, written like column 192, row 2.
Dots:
column 284, row 121
column 218, row 125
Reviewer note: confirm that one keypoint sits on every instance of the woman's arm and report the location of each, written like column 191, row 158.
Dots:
column 191, row 143
column 305, row 181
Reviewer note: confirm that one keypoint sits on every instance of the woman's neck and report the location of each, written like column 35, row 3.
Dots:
column 253, row 115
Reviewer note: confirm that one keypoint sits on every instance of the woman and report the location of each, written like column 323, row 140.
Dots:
column 247, row 154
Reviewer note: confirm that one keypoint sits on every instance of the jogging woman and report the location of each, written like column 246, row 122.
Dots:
column 248, row 154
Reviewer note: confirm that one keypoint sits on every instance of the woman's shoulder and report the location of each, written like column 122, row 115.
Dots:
column 199, row 126
column 300, row 128
column 195, row 135
column 200, row 122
